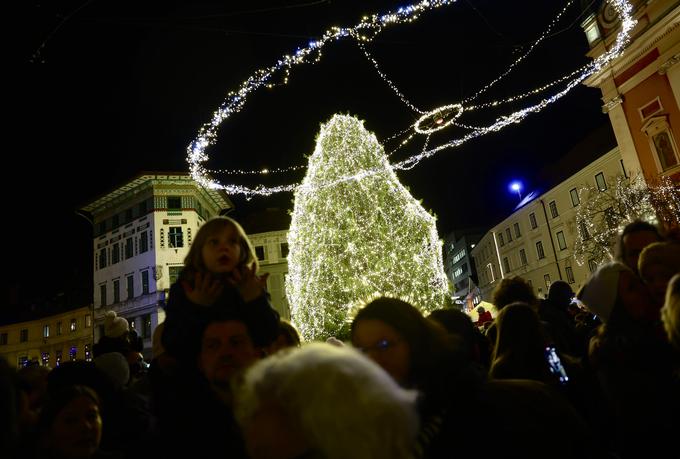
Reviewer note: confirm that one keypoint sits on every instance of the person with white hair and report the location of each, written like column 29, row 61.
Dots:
column 324, row 401
column 670, row 313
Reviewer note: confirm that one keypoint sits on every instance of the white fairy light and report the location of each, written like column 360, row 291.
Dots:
column 365, row 32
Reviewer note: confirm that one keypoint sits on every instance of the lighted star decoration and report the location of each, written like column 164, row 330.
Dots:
column 435, row 119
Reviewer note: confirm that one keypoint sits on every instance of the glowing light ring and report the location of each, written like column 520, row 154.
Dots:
column 438, row 119
column 365, row 31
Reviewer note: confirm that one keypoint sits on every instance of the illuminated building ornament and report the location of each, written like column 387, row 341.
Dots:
column 430, row 121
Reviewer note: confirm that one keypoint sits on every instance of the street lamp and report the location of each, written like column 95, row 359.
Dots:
column 516, row 186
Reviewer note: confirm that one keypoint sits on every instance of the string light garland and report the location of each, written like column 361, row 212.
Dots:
column 603, row 214
column 365, row 32
column 357, row 239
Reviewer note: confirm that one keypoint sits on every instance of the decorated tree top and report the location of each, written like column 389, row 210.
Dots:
column 356, row 232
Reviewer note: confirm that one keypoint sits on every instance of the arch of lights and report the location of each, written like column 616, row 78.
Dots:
column 430, row 121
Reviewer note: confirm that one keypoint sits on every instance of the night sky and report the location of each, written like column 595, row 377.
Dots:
column 110, row 89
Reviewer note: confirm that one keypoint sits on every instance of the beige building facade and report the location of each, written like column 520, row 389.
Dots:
column 50, row 340
column 536, row 242
column 271, row 249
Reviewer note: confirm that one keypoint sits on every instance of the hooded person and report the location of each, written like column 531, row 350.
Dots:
column 116, row 336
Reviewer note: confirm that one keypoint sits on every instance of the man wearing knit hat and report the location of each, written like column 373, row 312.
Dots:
column 114, row 326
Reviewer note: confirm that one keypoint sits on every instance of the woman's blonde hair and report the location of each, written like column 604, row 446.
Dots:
column 194, row 262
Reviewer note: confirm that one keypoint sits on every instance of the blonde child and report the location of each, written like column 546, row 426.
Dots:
column 219, row 275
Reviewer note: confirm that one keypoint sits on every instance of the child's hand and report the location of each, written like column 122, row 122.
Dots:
column 206, row 290
column 248, row 284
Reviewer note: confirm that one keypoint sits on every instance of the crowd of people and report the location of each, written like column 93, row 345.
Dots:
column 588, row 374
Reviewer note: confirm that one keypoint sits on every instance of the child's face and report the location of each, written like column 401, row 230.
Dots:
column 222, row 251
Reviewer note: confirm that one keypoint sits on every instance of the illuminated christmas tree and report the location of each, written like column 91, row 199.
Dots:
column 356, row 232
column 603, row 214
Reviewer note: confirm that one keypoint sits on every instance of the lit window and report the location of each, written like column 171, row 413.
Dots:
column 539, row 250
column 517, row 231
column 561, row 241
column 73, row 325
column 575, row 200
column 523, row 257
column 46, row 331
column 546, row 278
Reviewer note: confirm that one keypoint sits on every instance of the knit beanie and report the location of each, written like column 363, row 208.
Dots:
column 116, row 367
column 114, row 326
column 600, row 291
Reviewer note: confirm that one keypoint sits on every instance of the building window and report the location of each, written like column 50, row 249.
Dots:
column 259, row 252
column 130, row 287
column 145, row 282
column 174, row 272
column 459, row 256
column 102, row 227
column 284, row 250
column 601, row 182
column 623, row 168
column 592, row 265
column 506, row 264
column 57, row 356
column 457, row 272
column 102, row 294
column 88, row 321
column 508, row 234
column 175, row 237
column 491, row 275
column 146, row 326
column 3, row 339
column 501, row 241
column 142, row 208
column 561, row 242
column 45, row 358
column 523, row 257
column 114, row 222
column 72, row 353
column 116, row 290
column 570, row 274
column 58, row 328
column 143, row 242
column 102, row 258
column 532, row 220
column 553, row 209
column 46, row 331
column 517, row 231
column 74, row 325
column 539, row 250
column 583, row 229
column 115, row 253
column 174, row 203
column 128, row 215
column 23, row 335
column 129, row 248
column 575, row 200
column 546, row 278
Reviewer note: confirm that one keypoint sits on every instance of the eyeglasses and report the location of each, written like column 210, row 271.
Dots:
column 381, row 346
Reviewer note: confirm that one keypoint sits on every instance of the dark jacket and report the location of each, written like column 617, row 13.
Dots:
column 185, row 321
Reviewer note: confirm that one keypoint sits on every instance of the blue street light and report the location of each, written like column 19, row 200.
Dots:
column 516, row 186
